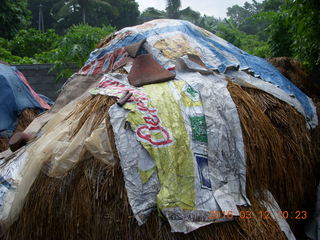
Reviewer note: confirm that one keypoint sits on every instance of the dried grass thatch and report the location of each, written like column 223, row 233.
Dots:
column 296, row 73
column 90, row 202
column 25, row 118
column 280, row 154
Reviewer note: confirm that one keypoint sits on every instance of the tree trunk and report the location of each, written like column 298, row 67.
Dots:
column 83, row 15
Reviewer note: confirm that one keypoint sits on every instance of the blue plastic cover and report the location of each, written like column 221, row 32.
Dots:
column 14, row 98
column 227, row 55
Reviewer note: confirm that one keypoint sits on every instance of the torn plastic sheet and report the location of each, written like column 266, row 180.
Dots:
column 274, row 210
column 98, row 144
column 138, row 167
column 135, row 159
column 225, row 142
column 17, row 176
column 168, row 40
column 175, row 140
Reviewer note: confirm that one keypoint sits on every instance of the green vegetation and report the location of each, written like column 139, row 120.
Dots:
column 295, row 31
column 75, row 47
column 14, row 15
column 172, row 9
column 271, row 28
column 31, row 46
column 27, row 43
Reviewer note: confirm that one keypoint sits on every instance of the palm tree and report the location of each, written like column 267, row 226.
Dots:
column 172, row 9
column 65, row 6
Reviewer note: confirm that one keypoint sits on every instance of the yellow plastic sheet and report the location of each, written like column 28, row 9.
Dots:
column 173, row 157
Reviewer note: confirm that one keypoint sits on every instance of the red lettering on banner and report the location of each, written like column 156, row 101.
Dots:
column 151, row 118
column 147, row 137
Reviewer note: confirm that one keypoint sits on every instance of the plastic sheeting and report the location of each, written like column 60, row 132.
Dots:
column 168, row 40
column 16, row 177
column 225, row 143
column 58, row 149
column 64, row 149
column 134, row 161
column 246, row 80
column 16, row 95
column 274, row 210
column 192, row 159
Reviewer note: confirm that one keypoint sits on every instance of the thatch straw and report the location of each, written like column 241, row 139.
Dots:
column 280, row 154
column 98, row 105
column 296, row 73
column 25, row 118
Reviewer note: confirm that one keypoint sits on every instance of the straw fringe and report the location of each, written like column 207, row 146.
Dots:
column 296, row 73
column 98, row 105
column 280, row 154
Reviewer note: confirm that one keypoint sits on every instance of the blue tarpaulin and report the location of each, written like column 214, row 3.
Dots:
column 223, row 54
column 15, row 96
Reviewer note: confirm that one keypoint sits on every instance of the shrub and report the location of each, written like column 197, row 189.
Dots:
column 29, row 42
column 76, row 46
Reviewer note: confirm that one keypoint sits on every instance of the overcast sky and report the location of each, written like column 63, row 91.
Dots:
column 216, row 8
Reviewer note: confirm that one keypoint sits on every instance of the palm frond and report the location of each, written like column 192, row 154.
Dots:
column 66, row 8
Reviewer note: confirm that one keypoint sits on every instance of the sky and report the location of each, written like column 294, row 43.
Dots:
column 216, row 8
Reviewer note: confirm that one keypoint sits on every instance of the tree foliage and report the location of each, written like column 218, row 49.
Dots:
column 62, row 14
column 14, row 15
column 304, row 18
column 127, row 13
column 27, row 43
column 245, row 17
column 190, row 15
column 150, row 14
column 172, row 8
column 295, row 31
column 31, row 46
column 92, row 12
column 249, row 43
column 84, row 7
column 76, row 46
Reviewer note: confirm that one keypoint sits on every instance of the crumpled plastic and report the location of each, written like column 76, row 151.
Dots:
column 275, row 212
column 225, row 143
column 58, row 149
column 98, row 144
column 191, row 153
column 135, row 161
column 63, row 150
column 168, row 39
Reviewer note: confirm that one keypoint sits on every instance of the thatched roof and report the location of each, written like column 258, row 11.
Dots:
column 82, row 188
